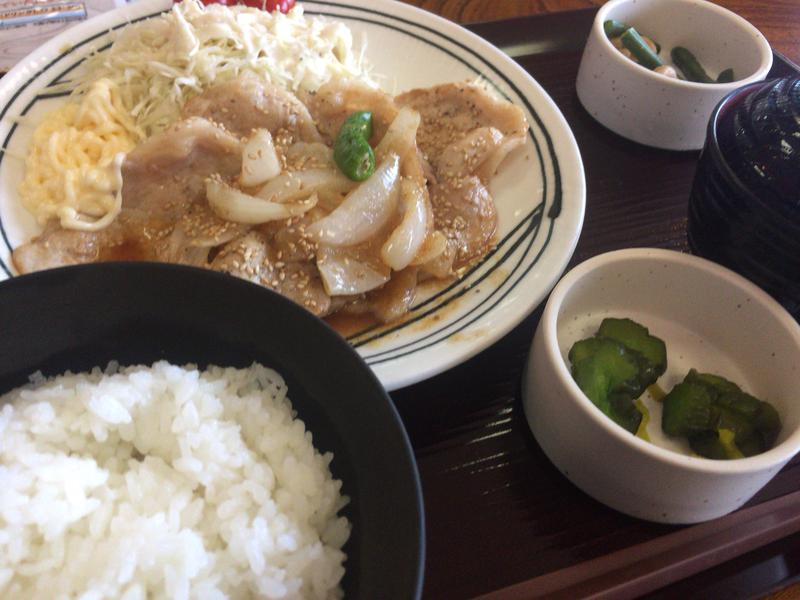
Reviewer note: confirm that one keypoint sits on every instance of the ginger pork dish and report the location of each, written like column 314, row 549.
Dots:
column 260, row 145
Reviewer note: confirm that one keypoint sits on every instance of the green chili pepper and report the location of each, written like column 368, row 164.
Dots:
column 351, row 151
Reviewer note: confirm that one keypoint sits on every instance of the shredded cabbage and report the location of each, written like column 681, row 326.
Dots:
column 162, row 62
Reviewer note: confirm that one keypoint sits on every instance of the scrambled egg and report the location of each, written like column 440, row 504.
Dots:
column 73, row 169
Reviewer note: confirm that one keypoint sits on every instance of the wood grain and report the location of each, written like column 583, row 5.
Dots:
column 778, row 20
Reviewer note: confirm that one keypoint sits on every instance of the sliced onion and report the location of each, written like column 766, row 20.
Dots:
column 365, row 210
column 346, row 272
column 509, row 143
column 329, row 200
column 203, row 228
column 433, row 246
column 313, row 154
column 211, row 240
column 401, row 137
column 260, row 162
column 293, row 185
column 394, row 299
column 441, row 266
column 436, row 256
column 407, row 238
column 234, row 205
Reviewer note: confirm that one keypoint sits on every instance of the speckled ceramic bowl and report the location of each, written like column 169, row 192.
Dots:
column 711, row 319
column 650, row 108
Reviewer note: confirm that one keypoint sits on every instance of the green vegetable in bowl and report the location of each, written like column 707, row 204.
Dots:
column 717, row 445
column 687, row 410
column 688, row 65
column 614, row 28
column 645, row 52
column 725, row 76
column 653, row 360
column 351, row 150
column 693, row 70
column 602, row 367
column 639, row 49
column 719, row 419
column 615, row 366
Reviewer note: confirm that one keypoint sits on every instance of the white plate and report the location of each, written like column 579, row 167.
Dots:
column 540, row 191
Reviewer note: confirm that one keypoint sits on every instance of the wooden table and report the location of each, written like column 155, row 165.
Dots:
column 498, row 513
column 778, row 20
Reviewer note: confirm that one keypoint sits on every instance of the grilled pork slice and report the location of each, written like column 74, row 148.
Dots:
column 465, row 134
column 452, row 110
column 247, row 103
column 58, row 247
column 254, row 258
column 163, row 181
column 466, row 215
column 335, row 101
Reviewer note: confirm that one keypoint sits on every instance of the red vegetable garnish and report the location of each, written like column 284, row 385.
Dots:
column 269, row 5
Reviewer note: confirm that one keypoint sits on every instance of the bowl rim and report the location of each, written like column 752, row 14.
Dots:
column 761, row 42
column 766, row 460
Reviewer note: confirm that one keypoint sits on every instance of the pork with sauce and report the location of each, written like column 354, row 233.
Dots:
column 449, row 141
column 245, row 104
column 163, row 179
column 465, row 134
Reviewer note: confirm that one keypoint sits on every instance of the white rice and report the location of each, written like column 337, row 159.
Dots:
column 165, row 482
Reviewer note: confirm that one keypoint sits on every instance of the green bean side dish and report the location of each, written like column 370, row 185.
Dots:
column 645, row 51
column 721, row 421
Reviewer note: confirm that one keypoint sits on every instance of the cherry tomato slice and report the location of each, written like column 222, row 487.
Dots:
column 269, row 5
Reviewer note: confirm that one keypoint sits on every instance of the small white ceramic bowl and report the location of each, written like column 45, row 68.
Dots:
column 650, row 108
column 711, row 319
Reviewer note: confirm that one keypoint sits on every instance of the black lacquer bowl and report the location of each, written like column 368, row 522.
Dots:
column 79, row 317
column 744, row 209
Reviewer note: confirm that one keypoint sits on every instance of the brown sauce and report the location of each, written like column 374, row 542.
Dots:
column 127, row 250
column 347, row 325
